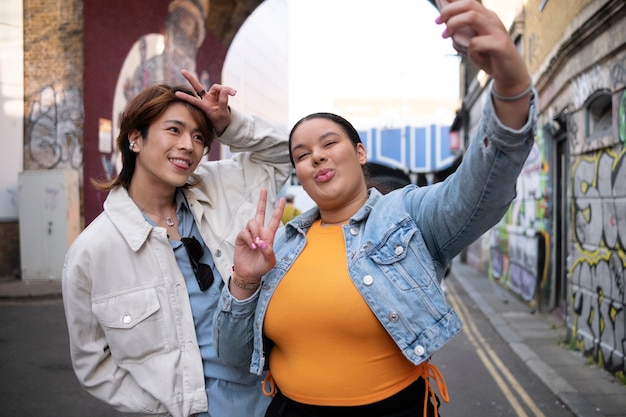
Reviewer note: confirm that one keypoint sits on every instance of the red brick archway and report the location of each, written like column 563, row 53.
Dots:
column 112, row 30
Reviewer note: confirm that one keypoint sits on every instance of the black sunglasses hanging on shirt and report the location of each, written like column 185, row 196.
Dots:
column 203, row 272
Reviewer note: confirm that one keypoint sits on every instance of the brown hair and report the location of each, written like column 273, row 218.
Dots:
column 138, row 114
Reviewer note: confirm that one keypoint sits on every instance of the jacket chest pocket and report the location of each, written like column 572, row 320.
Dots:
column 403, row 258
column 133, row 325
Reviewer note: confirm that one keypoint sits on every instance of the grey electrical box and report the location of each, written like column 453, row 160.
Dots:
column 49, row 220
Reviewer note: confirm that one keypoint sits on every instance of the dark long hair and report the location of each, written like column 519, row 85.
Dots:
column 138, row 114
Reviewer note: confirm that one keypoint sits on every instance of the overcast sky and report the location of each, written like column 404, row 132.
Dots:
column 367, row 48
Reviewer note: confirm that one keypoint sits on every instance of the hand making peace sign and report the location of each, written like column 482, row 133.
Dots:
column 254, row 251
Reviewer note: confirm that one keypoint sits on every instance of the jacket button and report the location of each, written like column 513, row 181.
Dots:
column 218, row 253
column 368, row 280
column 126, row 319
column 398, row 250
column 394, row 317
column 419, row 350
column 354, row 231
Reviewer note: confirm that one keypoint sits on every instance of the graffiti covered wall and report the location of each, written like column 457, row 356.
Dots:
column 54, row 129
column 53, row 104
column 597, row 267
column 519, row 245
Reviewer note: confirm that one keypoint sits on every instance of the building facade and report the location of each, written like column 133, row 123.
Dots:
column 83, row 61
column 561, row 247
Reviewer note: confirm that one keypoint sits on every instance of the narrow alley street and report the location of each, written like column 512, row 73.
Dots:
column 496, row 366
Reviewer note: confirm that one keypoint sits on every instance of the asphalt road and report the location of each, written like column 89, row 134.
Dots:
column 36, row 376
column 484, row 377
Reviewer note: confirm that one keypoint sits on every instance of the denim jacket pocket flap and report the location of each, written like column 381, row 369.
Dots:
column 394, row 246
column 125, row 311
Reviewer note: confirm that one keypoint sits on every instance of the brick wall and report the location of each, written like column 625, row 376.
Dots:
column 546, row 28
column 53, row 43
column 53, row 66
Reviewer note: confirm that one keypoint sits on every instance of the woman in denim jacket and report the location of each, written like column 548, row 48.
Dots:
column 347, row 295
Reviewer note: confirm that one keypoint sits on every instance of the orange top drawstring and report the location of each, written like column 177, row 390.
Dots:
column 430, row 371
column 268, row 385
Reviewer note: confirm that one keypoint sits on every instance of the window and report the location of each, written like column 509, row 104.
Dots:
column 599, row 111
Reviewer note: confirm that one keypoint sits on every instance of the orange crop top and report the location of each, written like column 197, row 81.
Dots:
column 329, row 348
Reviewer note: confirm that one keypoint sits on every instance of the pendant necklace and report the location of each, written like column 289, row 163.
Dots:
column 168, row 220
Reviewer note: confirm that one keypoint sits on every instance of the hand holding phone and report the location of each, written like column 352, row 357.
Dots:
column 462, row 36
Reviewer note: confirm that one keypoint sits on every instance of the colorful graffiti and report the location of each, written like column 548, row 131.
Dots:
column 54, row 130
column 519, row 246
column 598, row 257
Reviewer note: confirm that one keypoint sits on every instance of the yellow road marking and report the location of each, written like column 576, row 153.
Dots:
column 492, row 361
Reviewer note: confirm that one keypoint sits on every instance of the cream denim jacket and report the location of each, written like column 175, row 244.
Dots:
column 132, row 338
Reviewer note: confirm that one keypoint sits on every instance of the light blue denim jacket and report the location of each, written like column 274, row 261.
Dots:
column 397, row 248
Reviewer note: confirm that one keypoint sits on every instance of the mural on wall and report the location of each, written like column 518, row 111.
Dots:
column 54, row 130
column 129, row 46
column 598, row 261
column 519, row 245
column 158, row 58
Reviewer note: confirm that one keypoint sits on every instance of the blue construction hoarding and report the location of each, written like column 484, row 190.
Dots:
column 416, row 149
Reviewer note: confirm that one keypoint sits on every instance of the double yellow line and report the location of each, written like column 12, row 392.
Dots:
column 496, row 368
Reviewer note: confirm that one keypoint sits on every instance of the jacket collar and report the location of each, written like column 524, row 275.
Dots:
column 197, row 188
column 197, row 201
column 129, row 221
column 305, row 220
column 127, row 218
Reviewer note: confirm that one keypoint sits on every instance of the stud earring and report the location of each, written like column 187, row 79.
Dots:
column 132, row 145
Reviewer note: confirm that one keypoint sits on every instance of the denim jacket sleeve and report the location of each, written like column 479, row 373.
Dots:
column 233, row 332
column 456, row 212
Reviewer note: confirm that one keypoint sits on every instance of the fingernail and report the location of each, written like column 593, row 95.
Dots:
column 253, row 246
column 263, row 245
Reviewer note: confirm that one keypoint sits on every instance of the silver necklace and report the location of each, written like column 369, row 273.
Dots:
column 168, row 220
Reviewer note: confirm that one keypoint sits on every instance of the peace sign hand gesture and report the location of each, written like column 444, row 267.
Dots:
column 254, row 251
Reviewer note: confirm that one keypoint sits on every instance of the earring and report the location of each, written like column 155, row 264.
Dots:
column 132, row 145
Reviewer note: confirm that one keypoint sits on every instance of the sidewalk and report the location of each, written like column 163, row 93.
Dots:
column 15, row 289
column 584, row 388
